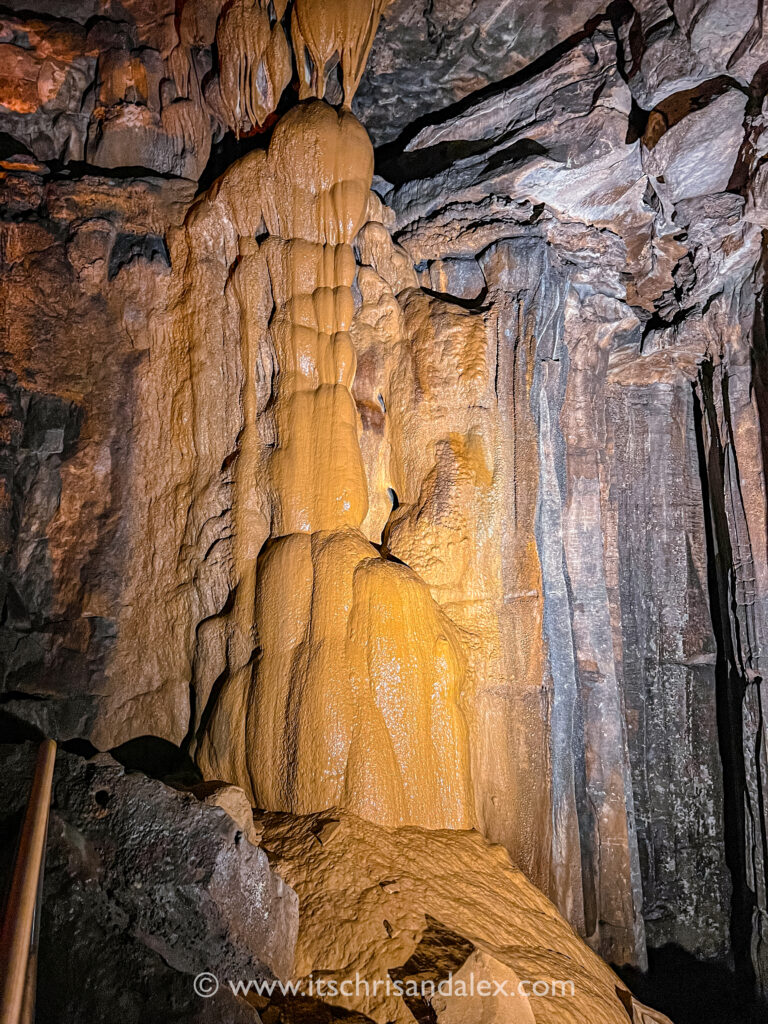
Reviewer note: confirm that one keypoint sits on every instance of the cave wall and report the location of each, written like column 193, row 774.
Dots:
column 560, row 389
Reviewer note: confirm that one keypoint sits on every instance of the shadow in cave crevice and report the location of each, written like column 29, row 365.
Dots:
column 730, row 678
column 383, row 546
column 159, row 759
column 478, row 304
column 689, row 990
column 15, row 730
column 229, row 148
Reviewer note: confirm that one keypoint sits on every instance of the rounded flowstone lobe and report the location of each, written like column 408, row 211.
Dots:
column 355, row 695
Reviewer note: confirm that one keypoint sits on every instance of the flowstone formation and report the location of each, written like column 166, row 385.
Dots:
column 354, row 695
column 436, row 493
column 412, row 905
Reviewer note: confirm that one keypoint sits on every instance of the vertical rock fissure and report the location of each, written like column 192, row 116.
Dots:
column 729, row 676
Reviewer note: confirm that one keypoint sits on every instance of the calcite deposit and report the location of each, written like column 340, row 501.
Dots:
column 382, row 429
column 412, row 903
column 354, row 698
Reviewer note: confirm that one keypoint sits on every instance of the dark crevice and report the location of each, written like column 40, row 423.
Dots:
column 476, row 305
column 60, row 170
column 730, row 683
column 657, row 322
column 746, row 159
column 228, row 150
column 159, row 759
column 130, row 247
column 197, row 729
column 24, row 14
column 80, row 747
column 21, row 696
column 383, row 547
column 691, row 990
column 210, row 706
column 620, row 13
column 637, row 123
column 11, row 146
column 431, row 160
column 674, row 108
column 17, row 730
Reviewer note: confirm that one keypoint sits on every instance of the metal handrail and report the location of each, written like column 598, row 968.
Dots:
column 18, row 940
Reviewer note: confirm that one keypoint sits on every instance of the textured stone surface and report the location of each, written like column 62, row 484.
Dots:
column 113, row 88
column 672, row 47
column 70, row 368
column 145, row 887
column 417, row 904
column 428, row 55
column 644, row 269
column 559, row 403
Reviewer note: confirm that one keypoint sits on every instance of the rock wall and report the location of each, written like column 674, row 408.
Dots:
column 555, row 302
column 170, row 900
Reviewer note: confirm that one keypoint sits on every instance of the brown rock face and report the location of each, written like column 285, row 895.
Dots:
column 425, row 483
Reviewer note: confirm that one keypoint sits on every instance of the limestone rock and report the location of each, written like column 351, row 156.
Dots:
column 47, row 67
column 532, row 362
column 233, row 800
column 415, row 904
column 661, row 297
column 121, row 92
column 462, row 279
column 698, row 154
column 428, row 56
column 671, row 47
column 146, row 887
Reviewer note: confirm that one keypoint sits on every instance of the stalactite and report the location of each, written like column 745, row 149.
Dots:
column 322, row 29
column 255, row 61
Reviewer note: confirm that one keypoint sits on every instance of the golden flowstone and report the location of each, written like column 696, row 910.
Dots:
column 355, row 697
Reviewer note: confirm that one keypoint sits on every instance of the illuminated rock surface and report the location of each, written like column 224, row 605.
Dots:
column 413, row 903
column 169, row 886
column 443, row 502
column 354, row 696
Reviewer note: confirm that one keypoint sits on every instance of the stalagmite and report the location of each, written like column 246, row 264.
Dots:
column 355, row 695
